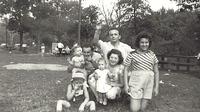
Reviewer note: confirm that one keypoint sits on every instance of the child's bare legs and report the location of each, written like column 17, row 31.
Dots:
column 135, row 105
column 92, row 84
column 100, row 96
column 104, row 98
column 138, row 104
column 92, row 106
column 144, row 104
column 60, row 104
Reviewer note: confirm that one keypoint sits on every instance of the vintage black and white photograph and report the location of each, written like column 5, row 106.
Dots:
column 99, row 55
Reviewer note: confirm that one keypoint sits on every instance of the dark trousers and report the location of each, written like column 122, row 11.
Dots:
column 60, row 51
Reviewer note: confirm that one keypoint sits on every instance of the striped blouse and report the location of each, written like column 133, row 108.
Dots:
column 141, row 61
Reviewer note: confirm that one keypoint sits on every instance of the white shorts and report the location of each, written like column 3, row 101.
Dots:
column 141, row 84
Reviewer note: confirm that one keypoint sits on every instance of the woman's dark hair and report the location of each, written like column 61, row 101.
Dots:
column 143, row 35
column 115, row 51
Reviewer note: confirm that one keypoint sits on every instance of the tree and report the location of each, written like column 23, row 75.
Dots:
column 19, row 11
column 188, row 4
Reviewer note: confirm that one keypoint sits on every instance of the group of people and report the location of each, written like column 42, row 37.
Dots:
column 118, row 70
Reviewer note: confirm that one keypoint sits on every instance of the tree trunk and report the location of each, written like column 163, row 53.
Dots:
column 21, row 40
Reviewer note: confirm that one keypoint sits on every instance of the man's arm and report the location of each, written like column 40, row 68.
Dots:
column 97, row 34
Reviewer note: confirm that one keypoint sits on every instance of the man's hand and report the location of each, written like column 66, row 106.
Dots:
column 156, row 91
column 98, row 27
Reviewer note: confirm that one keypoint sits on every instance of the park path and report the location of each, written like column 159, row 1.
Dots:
column 38, row 90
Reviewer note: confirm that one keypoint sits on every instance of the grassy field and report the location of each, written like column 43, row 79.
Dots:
column 38, row 90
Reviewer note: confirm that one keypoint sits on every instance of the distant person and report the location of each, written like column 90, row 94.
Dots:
column 67, row 49
column 60, row 47
column 101, row 76
column 42, row 49
column 144, row 79
column 113, row 43
column 77, row 95
column 24, row 48
column 198, row 56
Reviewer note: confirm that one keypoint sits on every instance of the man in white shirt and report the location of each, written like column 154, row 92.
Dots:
column 113, row 43
column 60, row 46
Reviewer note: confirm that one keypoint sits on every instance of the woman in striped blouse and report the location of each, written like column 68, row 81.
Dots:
column 144, row 79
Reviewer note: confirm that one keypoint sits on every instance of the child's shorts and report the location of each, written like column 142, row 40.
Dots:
column 141, row 84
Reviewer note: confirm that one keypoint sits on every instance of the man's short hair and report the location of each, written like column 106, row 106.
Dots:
column 114, row 28
column 88, row 45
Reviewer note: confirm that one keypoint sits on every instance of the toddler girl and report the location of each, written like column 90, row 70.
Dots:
column 101, row 76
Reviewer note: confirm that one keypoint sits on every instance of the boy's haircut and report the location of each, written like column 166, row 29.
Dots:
column 101, row 59
column 115, row 51
column 143, row 35
column 73, row 49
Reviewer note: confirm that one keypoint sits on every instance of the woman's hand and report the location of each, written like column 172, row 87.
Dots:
column 156, row 91
column 127, row 89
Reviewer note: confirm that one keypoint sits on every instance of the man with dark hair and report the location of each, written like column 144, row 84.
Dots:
column 91, row 58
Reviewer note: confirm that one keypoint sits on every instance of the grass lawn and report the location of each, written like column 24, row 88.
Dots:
column 38, row 90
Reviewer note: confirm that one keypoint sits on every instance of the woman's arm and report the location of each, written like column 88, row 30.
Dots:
column 97, row 33
column 70, row 92
column 86, row 94
column 156, row 79
column 126, row 79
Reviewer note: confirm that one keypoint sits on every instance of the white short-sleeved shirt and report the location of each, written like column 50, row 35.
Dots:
column 60, row 45
column 107, row 46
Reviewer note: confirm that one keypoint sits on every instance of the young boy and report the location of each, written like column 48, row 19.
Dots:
column 76, row 93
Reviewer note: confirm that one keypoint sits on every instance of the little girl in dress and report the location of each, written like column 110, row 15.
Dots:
column 101, row 76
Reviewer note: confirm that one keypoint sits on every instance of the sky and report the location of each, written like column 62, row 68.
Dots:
column 155, row 4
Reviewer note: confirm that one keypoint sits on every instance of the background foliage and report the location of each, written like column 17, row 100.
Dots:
column 41, row 21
